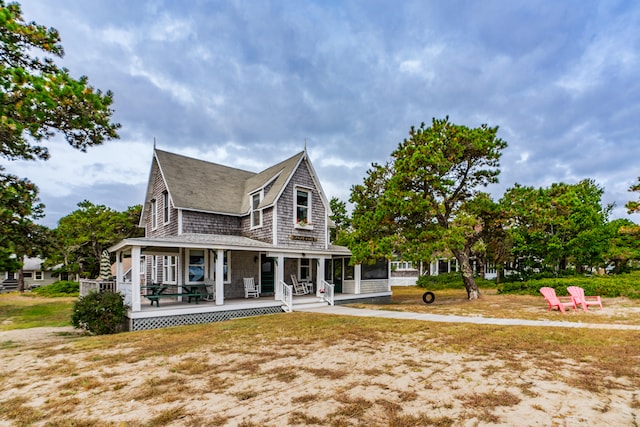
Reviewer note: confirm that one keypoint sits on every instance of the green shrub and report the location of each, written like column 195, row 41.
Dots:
column 627, row 285
column 100, row 313
column 449, row 281
column 61, row 288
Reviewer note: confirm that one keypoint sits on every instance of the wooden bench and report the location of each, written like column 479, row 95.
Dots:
column 158, row 291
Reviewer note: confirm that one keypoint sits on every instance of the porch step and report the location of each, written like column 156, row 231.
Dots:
column 309, row 305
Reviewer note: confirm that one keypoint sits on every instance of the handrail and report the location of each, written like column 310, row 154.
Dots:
column 329, row 292
column 286, row 295
column 87, row 286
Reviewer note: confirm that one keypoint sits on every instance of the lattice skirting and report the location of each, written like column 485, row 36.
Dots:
column 197, row 318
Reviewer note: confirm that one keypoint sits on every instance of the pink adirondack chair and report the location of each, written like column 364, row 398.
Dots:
column 577, row 293
column 555, row 301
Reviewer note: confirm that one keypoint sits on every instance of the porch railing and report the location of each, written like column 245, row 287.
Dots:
column 286, row 295
column 87, row 286
column 328, row 294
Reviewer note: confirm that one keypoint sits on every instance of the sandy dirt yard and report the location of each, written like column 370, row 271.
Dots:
column 54, row 377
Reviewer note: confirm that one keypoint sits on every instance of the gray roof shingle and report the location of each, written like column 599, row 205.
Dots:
column 210, row 187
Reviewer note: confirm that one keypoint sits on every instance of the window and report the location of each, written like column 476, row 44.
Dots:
column 303, row 207
column 196, row 266
column 169, row 269
column 154, row 214
column 348, row 269
column 143, row 270
column 154, row 269
column 37, row 275
column 226, row 267
column 165, row 207
column 256, row 214
column 375, row 271
column 401, row 265
column 27, row 274
column 305, row 269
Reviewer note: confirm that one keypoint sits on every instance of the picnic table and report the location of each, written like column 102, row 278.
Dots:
column 161, row 290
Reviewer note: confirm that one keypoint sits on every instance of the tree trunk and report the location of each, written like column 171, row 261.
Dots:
column 499, row 270
column 467, row 275
column 482, row 267
column 20, row 281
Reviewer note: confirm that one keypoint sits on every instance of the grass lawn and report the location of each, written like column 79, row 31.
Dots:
column 317, row 369
column 491, row 304
column 21, row 311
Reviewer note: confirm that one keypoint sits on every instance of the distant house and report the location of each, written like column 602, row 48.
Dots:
column 33, row 272
column 209, row 229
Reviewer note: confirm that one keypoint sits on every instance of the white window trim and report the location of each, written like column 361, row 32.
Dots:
column 166, row 208
column 307, row 267
column 260, row 194
column 204, row 266
column 154, row 269
column 170, row 269
column 154, row 214
column 309, row 191
column 38, row 275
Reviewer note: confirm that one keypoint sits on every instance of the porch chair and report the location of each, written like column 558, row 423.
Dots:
column 210, row 287
column 577, row 293
column 299, row 288
column 250, row 288
column 555, row 301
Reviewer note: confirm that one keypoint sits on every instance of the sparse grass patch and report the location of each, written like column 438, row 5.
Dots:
column 285, row 374
column 192, row 366
column 167, row 416
column 17, row 410
column 298, row 418
column 332, row 374
column 306, row 398
column 154, row 388
column 81, row 383
column 490, row 399
column 407, row 395
column 245, row 394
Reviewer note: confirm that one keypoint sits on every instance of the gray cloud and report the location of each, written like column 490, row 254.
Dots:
column 245, row 84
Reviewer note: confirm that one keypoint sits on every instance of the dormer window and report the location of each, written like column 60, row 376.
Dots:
column 256, row 214
column 303, row 208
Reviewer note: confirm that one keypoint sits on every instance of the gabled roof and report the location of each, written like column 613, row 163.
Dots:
column 199, row 185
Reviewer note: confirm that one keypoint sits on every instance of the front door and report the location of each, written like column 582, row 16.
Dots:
column 337, row 275
column 267, row 274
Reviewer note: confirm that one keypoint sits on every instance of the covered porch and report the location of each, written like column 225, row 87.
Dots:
column 184, row 262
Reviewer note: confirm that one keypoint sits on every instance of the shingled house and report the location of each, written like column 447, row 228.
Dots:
column 269, row 228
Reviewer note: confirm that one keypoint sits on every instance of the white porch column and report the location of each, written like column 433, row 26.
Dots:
column 319, row 275
column 357, row 275
column 219, row 277
column 279, row 274
column 135, row 278
column 119, row 269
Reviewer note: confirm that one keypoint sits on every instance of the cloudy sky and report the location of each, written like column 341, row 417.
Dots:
column 246, row 83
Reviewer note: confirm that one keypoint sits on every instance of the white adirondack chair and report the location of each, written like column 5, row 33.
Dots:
column 250, row 288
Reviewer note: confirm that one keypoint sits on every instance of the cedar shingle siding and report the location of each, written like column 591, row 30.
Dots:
column 286, row 229
column 206, row 223
column 162, row 230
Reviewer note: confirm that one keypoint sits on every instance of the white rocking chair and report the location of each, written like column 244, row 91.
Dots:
column 299, row 288
column 210, row 286
column 250, row 288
